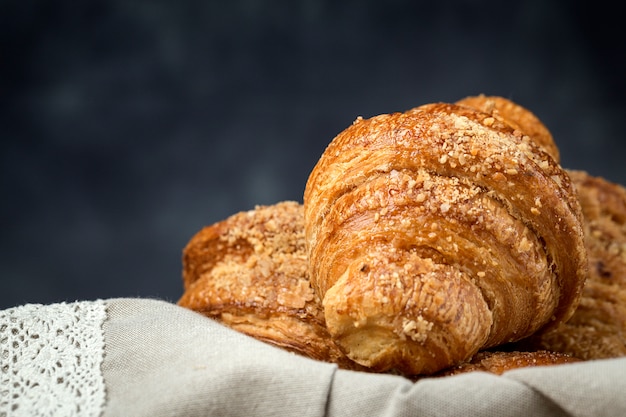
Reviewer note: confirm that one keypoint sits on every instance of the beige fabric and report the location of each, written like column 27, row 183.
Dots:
column 163, row 360
column 166, row 361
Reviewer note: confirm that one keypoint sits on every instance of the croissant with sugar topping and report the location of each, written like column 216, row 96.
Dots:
column 438, row 232
column 250, row 272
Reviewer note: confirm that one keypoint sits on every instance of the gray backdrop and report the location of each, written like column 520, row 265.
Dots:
column 129, row 125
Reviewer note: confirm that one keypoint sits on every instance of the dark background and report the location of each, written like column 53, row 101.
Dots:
column 127, row 126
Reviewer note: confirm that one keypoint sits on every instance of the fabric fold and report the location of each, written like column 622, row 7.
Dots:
column 592, row 388
column 474, row 394
column 163, row 360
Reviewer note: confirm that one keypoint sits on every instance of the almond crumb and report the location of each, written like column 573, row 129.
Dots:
column 498, row 176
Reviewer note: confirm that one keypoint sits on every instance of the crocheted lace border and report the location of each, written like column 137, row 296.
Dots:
column 50, row 359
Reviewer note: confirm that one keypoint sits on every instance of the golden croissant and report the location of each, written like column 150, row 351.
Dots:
column 437, row 232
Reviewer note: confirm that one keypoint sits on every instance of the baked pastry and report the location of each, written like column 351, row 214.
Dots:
column 437, row 232
column 518, row 117
column 249, row 272
column 598, row 327
column 498, row 362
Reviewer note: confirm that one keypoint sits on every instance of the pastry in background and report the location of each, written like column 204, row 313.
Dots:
column 250, row 272
column 498, row 362
column 598, row 327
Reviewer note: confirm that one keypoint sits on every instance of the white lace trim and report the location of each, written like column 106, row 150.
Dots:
column 50, row 359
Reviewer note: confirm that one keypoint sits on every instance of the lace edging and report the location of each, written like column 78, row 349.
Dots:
column 50, row 359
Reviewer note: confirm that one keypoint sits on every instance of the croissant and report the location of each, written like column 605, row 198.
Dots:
column 437, row 232
column 597, row 328
column 250, row 272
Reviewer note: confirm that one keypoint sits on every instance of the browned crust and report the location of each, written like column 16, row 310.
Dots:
column 499, row 362
column 516, row 116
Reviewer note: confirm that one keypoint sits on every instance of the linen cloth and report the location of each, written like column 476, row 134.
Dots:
column 142, row 357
